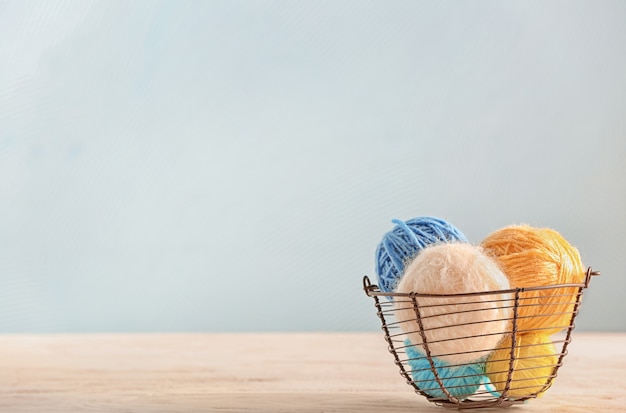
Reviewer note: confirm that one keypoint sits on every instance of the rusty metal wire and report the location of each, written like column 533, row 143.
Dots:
column 482, row 398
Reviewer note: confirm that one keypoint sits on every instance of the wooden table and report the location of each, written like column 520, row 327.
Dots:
column 317, row 372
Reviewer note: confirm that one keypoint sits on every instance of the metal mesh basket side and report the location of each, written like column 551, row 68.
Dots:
column 513, row 389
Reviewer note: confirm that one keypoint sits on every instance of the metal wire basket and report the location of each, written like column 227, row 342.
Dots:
column 512, row 390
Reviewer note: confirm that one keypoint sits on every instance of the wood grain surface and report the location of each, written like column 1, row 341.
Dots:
column 316, row 372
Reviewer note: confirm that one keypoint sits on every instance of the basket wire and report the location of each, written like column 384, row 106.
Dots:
column 399, row 345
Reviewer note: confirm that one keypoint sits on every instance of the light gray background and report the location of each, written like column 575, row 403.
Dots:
column 231, row 166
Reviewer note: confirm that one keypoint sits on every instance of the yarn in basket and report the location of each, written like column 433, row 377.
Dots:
column 405, row 241
column 531, row 257
column 460, row 381
column 535, row 358
column 457, row 328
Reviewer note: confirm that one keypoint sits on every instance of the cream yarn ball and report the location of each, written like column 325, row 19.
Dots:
column 458, row 329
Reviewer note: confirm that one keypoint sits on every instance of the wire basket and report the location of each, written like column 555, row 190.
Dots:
column 413, row 360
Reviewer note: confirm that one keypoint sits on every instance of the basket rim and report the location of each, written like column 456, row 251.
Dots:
column 372, row 290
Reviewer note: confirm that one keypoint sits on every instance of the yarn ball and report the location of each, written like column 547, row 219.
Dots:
column 535, row 359
column 404, row 242
column 458, row 329
column 538, row 257
column 460, row 381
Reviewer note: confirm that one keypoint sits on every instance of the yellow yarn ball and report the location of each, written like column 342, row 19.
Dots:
column 535, row 359
column 458, row 329
column 533, row 257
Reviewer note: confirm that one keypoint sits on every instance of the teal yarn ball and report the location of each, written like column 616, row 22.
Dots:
column 405, row 241
column 460, row 381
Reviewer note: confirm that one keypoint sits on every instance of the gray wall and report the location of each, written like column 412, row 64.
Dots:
column 231, row 166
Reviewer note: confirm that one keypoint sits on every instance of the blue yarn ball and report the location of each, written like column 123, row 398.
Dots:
column 460, row 381
column 404, row 242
